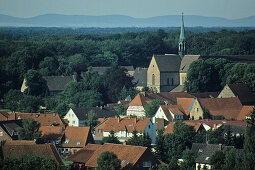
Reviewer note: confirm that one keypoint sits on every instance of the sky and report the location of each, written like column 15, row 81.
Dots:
column 230, row 9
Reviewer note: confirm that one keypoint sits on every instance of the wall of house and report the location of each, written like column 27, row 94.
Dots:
column 183, row 77
column 169, row 81
column 136, row 110
column 146, row 157
column 176, row 117
column 202, row 166
column 226, row 93
column 153, row 69
column 72, row 118
column 196, row 111
column 160, row 114
column 150, row 129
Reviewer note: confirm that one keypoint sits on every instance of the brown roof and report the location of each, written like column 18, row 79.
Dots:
column 175, row 109
column 227, row 107
column 185, row 103
column 206, row 94
column 41, row 150
column 243, row 92
column 52, row 132
column 170, row 126
column 20, row 142
column 246, row 111
column 186, row 61
column 4, row 116
column 169, row 97
column 42, row 119
column 76, row 136
column 127, row 154
column 119, row 124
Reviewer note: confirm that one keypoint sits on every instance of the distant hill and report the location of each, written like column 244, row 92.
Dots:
column 111, row 21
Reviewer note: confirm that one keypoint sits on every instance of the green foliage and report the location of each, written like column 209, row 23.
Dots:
column 29, row 131
column 152, row 107
column 29, row 163
column 217, row 160
column 111, row 139
column 108, row 160
column 159, row 148
column 48, row 67
column 121, row 109
column 36, row 85
column 139, row 140
column 216, row 136
column 30, row 104
column 92, row 120
column 188, row 160
column 12, row 99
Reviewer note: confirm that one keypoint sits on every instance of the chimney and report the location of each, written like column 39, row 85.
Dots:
column 101, row 107
column 220, row 145
column 14, row 115
column 54, row 114
column 214, row 126
column 143, row 93
column 138, row 69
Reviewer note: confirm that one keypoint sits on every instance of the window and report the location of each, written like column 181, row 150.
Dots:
column 168, row 82
column 153, row 79
column 122, row 162
column 67, row 151
column 172, row 81
column 207, row 158
column 1, row 133
column 99, row 131
column 146, row 164
column 74, row 150
column 78, row 143
column 67, row 141
column 197, row 109
column 149, row 126
column 73, row 122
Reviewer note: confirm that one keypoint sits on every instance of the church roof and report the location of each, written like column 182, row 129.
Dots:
column 186, row 61
column 168, row 62
column 182, row 35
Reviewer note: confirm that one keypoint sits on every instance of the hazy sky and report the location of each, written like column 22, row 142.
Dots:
column 136, row 8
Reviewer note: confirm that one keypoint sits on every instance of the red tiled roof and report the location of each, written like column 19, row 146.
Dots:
column 246, row 111
column 76, row 136
column 185, row 103
column 52, row 132
column 20, row 142
column 41, row 150
column 119, row 124
column 127, row 154
column 42, row 119
column 4, row 116
column 170, row 126
column 227, row 107
column 169, row 97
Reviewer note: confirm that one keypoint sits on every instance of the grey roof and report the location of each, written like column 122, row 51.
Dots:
column 205, row 151
column 102, row 70
column 186, row 61
column 10, row 126
column 102, row 112
column 168, row 62
column 206, row 94
column 57, row 83
column 243, row 92
column 140, row 76
column 178, row 89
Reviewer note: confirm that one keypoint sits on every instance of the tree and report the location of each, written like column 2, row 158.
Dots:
column 139, row 140
column 30, row 103
column 160, row 144
column 188, row 160
column 152, row 107
column 48, row 67
column 92, row 120
column 12, row 99
column 217, row 160
column 216, row 136
column 111, row 139
column 36, row 85
column 29, row 131
column 108, row 160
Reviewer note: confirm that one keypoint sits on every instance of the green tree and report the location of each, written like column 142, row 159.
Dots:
column 12, row 99
column 36, row 85
column 48, row 67
column 188, row 160
column 159, row 144
column 152, row 107
column 30, row 104
column 108, row 160
column 92, row 120
column 29, row 131
column 217, row 160
column 139, row 140
column 111, row 139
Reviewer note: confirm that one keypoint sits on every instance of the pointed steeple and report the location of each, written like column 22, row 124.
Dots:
column 182, row 41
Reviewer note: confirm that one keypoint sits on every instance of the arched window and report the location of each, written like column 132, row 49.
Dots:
column 153, row 79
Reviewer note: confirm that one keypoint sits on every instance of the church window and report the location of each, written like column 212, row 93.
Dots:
column 172, row 81
column 168, row 82
column 153, row 79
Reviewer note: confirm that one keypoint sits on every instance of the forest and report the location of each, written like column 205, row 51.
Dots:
column 72, row 53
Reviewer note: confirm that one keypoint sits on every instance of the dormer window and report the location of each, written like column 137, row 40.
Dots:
column 1, row 133
column 78, row 143
column 67, row 141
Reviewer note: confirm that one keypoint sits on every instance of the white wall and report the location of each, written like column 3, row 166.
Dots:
column 160, row 114
column 136, row 110
column 72, row 118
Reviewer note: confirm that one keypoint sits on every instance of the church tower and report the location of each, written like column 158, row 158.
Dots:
column 182, row 41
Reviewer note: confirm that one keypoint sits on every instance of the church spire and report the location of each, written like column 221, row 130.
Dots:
column 182, row 41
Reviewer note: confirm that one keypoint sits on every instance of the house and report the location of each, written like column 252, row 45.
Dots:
column 78, row 116
column 4, row 116
column 49, row 119
column 131, row 157
column 55, row 84
column 163, row 72
column 123, row 128
column 52, row 134
column 136, row 106
column 204, row 153
column 198, row 127
column 102, row 70
column 75, row 138
column 212, row 107
column 8, row 129
column 12, row 150
column 241, row 91
column 140, row 78
column 170, row 112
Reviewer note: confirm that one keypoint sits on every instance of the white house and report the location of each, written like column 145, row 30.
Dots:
column 170, row 112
